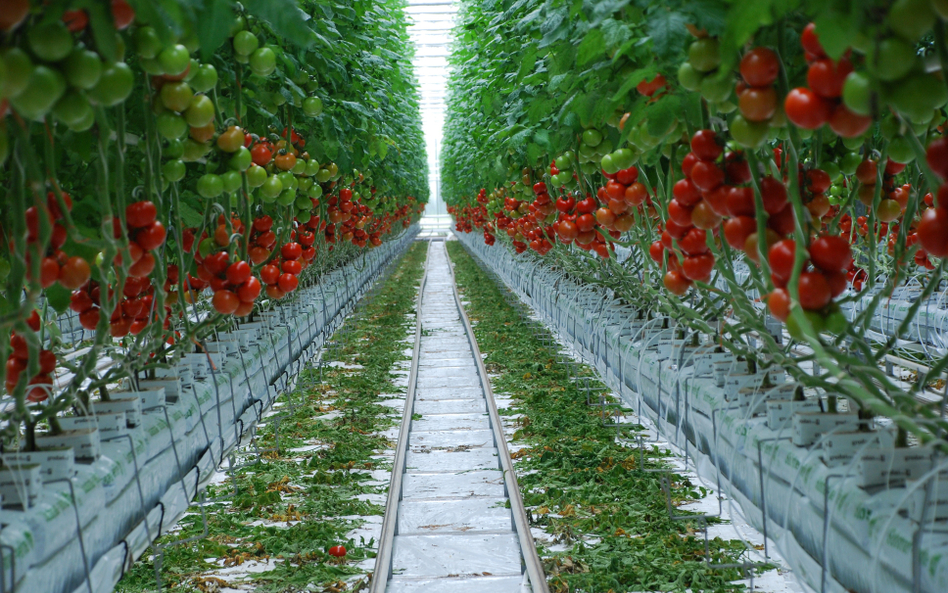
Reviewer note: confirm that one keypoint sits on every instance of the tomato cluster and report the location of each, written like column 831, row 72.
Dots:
column 56, row 264
column 40, row 385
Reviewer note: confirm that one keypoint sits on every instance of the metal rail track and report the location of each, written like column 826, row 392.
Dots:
column 531, row 566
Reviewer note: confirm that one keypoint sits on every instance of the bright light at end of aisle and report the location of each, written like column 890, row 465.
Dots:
column 430, row 30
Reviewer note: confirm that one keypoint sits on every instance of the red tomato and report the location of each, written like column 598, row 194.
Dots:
column 933, row 231
column 288, row 282
column 686, row 192
column 781, row 256
column 143, row 267
column 826, row 78
column 706, row 175
column 292, row 266
column 269, row 274
column 810, row 41
column 831, row 254
column 705, row 145
column 738, row 229
column 676, row 282
column 151, row 236
column 848, row 124
column 74, row 273
column 814, row 291
column 760, row 67
column 89, row 319
column 291, row 251
column 122, row 14
column 225, row 302
column 679, row 213
column 249, row 290
column 694, row 242
column 238, row 272
column 698, row 267
column 140, row 214
column 937, row 157
column 778, row 301
column 337, row 551
column 806, row 109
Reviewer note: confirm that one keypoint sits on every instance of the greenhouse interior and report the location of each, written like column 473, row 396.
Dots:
column 469, row 296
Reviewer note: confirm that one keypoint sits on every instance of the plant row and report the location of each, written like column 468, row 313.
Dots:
column 791, row 153
column 170, row 166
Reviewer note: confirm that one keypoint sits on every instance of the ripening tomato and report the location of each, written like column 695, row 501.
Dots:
column 867, row 172
column 698, row 267
column 738, row 229
column 758, row 104
column 151, row 236
column 760, row 67
column 806, row 109
column 274, row 292
column 933, row 231
column 225, row 302
column 74, row 273
column 140, row 214
column 676, row 282
column 814, row 291
column 831, row 253
column 258, row 255
column 778, row 301
column 288, row 282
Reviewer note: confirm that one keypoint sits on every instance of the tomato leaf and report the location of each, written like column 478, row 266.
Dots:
column 286, row 18
column 592, row 46
column 668, row 32
column 216, row 19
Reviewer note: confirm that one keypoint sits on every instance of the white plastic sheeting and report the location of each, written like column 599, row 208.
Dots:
column 82, row 533
column 872, row 540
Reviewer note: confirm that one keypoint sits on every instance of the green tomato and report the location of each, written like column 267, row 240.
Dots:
column 171, row 126
column 303, row 203
column 911, row 18
column 849, row 162
column 748, row 134
column 176, row 96
column 193, row 150
column 263, row 61
column 299, row 168
column 83, row 69
column 245, row 43
column 191, row 72
column 152, row 66
column 592, row 137
column 256, row 175
column 210, row 185
column 305, row 183
column 689, row 78
column 271, row 188
column 836, row 323
column 207, row 247
column 716, row 89
column 323, row 176
column 72, row 108
column 831, row 169
column 240, row 160
column 231, row 181
column 918, row 95
column 893, row 58
column 704, row 54
column 304, row 216
column 607, row 164
column 890, row 127
column 286, row 198
column 5, row 147
column 44, row 88
column 174, row 149
column 623, row 158
column 147, row 43
column 204, row 79
column 288, row 180
column 200, row 112
column 316, row 191
column 563, row 162
column 4, row 269
column 18, row 67
column 857, row 93
column 50, row 41
column 114, row 86
column 174, row 59
column 900, row 150
column 312, row 168
column 174, row 170
column 312, row 106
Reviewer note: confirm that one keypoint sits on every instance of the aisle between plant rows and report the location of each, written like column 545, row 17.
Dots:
column 454, row 528
column 307, row 510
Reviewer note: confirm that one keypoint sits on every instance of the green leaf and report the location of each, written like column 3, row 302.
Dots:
column 58, row 297
column 592, row 47
column 668, row 32
column 285, row 17
column 662, row 115
column 103, row 29
column 216, row 19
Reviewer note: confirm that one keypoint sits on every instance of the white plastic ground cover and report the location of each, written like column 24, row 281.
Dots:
column 869, row 535
column 142, row 483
